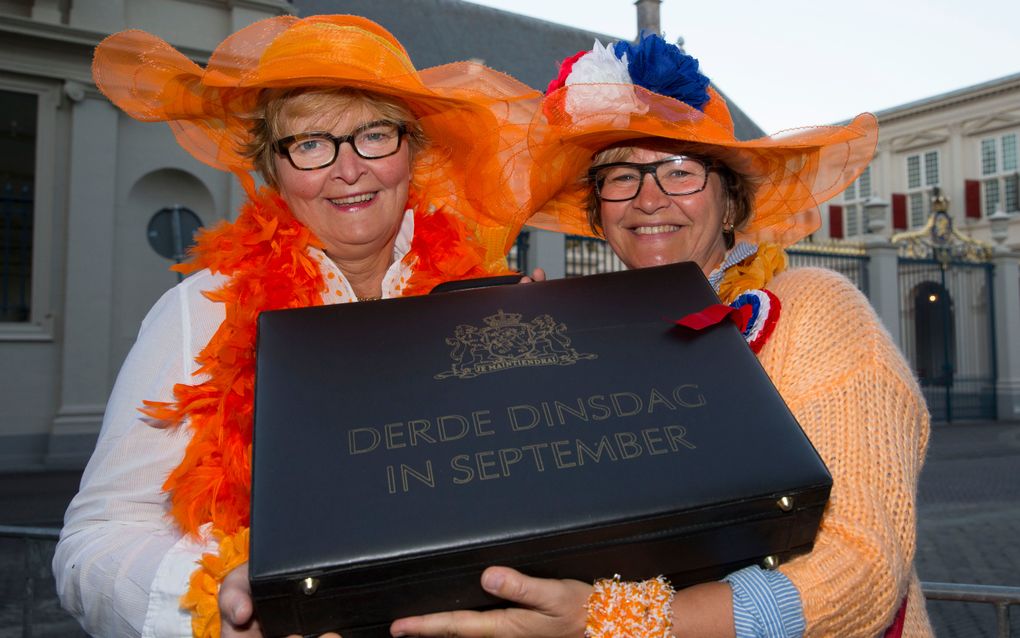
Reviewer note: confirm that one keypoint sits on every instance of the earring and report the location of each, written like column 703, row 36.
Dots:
column 727, row 226
column 727, row 233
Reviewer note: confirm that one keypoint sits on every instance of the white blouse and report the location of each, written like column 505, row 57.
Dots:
column 121, row 564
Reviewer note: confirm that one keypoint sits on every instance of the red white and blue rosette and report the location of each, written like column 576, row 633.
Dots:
column 754, row 312
column 762, row 321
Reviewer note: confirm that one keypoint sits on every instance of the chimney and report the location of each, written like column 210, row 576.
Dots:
column 648, row 17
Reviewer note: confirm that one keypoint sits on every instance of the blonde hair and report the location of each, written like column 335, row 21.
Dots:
column 739, row 188
column 276, row 107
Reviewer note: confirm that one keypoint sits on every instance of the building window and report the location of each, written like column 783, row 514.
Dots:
column 854, row 198
column 864, row 183
column 989, row 159
column 18, row 132
column 914, row 171
column 1000, row 181
column 853, row 226
column 922, row 177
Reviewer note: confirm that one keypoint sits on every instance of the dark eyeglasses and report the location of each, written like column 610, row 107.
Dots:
column 622, row 181
column 319, row 149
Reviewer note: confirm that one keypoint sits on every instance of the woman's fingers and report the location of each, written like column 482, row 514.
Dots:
column 237, row 612
column 510, row 584
column 537, row 275
column 449, row 624
column 235, row 597
column 237, row 609
column 506, row 583
column 543, row 607
column 549, row 596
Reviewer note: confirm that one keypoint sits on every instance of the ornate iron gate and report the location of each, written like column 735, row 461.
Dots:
column 947, row 317
column 947, row 333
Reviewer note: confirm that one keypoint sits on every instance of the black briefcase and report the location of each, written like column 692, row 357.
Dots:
column 566, row 428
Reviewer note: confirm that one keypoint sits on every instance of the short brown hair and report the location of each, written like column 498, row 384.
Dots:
column 276, row 105
column 739, row 187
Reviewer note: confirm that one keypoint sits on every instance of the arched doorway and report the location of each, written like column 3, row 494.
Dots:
column 934, row 334
column 141, row 275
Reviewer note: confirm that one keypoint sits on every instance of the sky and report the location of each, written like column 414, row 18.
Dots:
column 790, row 63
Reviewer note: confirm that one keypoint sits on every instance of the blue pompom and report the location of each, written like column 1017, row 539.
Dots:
column 663, row 68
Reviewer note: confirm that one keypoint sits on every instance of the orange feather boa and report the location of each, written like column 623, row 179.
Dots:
column 265, row 254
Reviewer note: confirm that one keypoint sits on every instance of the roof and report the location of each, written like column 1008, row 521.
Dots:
column 949, row 98
column 437, row 32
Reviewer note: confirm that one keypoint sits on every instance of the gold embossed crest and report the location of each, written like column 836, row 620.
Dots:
column 506, row 342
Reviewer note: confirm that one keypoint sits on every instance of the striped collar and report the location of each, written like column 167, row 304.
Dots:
column 734, row 256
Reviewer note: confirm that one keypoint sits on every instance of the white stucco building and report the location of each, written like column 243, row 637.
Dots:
column 959, row 325
column 79, row 182
column 964, row 142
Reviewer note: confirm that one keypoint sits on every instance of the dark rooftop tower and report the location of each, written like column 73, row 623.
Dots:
column 648, row 17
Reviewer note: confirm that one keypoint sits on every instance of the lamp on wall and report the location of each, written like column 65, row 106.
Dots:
column 876, row 215
column 999, row 223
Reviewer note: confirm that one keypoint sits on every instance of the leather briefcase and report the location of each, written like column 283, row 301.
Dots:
column 566, row 428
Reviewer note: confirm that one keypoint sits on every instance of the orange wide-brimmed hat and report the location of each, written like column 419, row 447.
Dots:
column 475, row 118
column 652, row 89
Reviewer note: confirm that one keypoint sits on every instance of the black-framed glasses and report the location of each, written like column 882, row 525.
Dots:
column 318, row 149
column 677, row 175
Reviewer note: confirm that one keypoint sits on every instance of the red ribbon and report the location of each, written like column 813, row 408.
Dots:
column 714, row 314
column 895, row 630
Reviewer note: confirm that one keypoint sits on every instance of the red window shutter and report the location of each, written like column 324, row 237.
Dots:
column 899, row 211
column 972, row 197
column 836, row 222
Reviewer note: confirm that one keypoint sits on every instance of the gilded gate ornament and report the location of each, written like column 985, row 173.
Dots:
column 938, row 239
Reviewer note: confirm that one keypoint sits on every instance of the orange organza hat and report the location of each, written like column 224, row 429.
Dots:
column 595, row 104
column 475, row 118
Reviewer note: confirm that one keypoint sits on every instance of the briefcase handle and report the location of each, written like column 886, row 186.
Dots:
column 480, row 282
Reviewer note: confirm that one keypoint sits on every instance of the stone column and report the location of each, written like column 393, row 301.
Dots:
column 547, row 250
column 1006, row 289
column 883, row 283
column 85, row 329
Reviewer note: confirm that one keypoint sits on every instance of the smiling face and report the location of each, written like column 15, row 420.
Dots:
column 355, row 205
column 655, row 229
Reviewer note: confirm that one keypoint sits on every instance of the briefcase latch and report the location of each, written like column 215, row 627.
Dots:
column 309, row 585
column 770, row 562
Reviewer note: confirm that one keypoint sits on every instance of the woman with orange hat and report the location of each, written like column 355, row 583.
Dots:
column 658, row 172
column 382, row 181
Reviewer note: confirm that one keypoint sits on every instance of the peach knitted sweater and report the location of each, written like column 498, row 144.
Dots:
column 858, row 402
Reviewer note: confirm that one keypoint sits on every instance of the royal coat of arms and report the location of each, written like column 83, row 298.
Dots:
column 506, row 342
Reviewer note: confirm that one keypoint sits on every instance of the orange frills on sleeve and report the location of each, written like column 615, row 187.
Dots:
column 634, row 609
column 202, row 598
